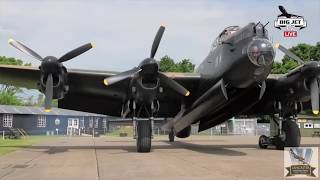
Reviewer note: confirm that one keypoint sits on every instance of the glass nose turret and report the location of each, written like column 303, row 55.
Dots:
column 261, row 52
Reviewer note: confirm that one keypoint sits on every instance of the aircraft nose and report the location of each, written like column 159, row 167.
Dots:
column 261, row 52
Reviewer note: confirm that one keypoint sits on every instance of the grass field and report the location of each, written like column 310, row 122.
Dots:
column 9, row 145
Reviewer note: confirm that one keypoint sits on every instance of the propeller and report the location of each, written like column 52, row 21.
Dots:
column 121, row 76
column 156, row 41
column 289, row 53
column 146, row 65
column 48, row 93
column 314, row 88
column 50, row 65
column 314, row 84
column 173, row 84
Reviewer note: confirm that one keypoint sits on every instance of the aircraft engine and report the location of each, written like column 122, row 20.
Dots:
column 148, row 76
column 53, row 74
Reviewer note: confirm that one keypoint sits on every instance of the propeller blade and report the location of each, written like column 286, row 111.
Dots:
column 224, row 90
column 288, row 53
column 173, row 84
column 121, row 76
column 156, row 41
column 262, row 89
column 24, row 49
column 48, row 93
column 314, row 88
column 76, row 52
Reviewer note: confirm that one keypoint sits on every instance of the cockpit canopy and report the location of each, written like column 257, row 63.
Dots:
column 225, row 34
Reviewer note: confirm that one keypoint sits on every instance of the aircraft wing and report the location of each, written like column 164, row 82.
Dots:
column 88, row 93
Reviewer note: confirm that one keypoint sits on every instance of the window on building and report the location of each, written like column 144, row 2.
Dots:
column 41, row 121
column 7, row 120
column 91, row 122
column 75, row 122
column 298, row 125
column 104, row 123
column 308, row 125
column 82, row 122
column 316, row 126
column 96, row 122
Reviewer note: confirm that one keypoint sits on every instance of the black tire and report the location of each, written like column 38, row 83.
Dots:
column 263, row 142
column 144, row 136
column 292, row 135
column 184, row 133
column 171, row 136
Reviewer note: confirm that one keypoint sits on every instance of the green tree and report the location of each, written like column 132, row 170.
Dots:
column 8, row 94
column 167, row 64
column 12, row 61
column 185, row 66
column 315, row 52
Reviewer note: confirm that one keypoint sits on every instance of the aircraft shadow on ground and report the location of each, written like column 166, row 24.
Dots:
column 216, row 149
column 208, row 149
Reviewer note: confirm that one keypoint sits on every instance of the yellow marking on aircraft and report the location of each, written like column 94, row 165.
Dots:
column 188, row 93
column 105, row 82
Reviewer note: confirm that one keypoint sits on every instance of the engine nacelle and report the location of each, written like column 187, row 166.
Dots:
column 60, row 80
column 147, row 88
column 184, row 133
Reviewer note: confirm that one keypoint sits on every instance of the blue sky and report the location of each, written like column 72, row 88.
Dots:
column 123, row 30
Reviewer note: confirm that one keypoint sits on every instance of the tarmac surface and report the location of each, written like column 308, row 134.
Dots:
column 198, row 157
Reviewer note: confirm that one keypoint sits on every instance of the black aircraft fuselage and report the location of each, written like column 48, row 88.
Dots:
column 240, row 57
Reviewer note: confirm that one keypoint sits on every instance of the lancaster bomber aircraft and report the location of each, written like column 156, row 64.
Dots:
column 234, row 79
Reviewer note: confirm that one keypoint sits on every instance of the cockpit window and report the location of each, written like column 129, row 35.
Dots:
column 225, row 34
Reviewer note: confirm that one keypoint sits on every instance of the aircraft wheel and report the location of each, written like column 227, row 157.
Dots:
column 171, row 136
column 291, row 136
column 144, row 136
column 263, row 142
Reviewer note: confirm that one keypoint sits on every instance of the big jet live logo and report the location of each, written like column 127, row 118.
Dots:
column 291, row 23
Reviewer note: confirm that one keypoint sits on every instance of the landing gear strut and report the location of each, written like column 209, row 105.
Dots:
column 171, row 136
column 288, row 136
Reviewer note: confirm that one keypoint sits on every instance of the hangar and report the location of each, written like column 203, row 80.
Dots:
column 34, row 121
column 309, row 125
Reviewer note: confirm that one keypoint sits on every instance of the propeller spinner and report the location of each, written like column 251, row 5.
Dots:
column 50, row 65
